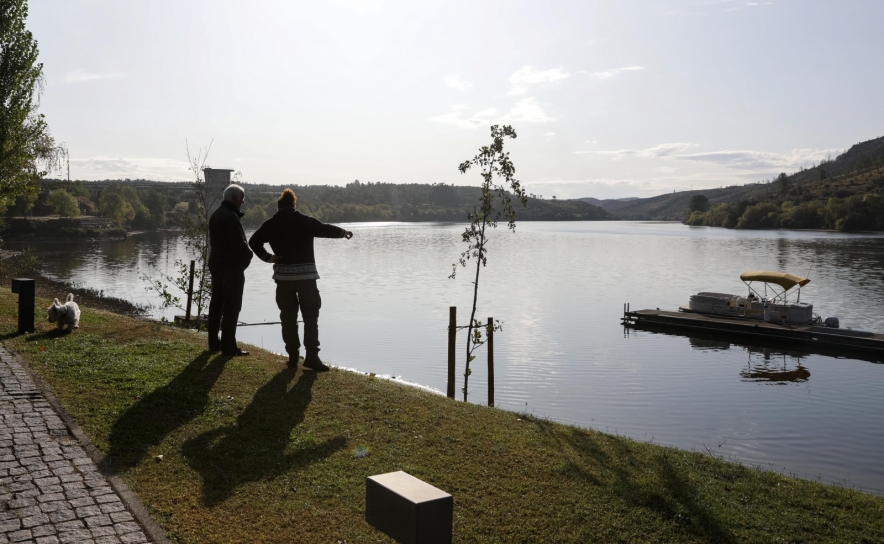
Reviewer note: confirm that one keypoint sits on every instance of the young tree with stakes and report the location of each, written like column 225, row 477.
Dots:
column 498, row 185
column 196, row 239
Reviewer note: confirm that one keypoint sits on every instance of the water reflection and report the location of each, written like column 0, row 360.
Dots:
column 708, row 344
column 764, row 363
column 769, row 372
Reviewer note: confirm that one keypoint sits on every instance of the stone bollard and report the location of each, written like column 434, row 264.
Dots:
column 408, row 510
column 25, row 289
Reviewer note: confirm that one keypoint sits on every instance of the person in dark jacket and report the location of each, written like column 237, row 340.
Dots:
column 229, row 256
column 290, row 235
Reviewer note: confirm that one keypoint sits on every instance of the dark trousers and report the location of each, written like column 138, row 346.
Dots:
column 291, row 296
column 227, row 288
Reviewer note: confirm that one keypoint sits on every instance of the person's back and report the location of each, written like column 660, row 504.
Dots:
column 227, row 240
column 290, row 235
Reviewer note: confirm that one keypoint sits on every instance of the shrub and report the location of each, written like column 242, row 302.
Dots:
column 760, row 216
column 63, row 203
column 804, row 216
column 864, row 212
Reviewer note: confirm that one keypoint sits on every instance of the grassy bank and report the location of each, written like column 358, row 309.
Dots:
column 255, row 452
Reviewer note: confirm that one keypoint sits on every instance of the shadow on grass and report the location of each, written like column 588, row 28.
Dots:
column 48, row 335
column 255, row 448
column 162, row 411
column 8, row 335
column 673, row 498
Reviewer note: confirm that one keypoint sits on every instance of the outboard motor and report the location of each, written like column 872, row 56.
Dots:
column 831, row 322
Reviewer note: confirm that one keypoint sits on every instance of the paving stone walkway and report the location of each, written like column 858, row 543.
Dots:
column 50, row 489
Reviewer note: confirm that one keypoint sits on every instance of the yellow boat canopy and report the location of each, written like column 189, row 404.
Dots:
column 784, row 280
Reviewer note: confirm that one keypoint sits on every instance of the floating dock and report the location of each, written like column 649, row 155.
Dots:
column 812, row 337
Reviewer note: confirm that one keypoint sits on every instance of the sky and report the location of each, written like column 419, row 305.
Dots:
column 610, row 99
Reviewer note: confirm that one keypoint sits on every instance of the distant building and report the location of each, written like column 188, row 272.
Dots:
column 217, row 179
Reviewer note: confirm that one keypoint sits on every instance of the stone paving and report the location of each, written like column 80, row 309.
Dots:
column 50, row 489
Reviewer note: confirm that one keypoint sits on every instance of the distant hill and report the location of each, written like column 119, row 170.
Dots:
column 597, row 202
column 857, row 171
column 845, row 194
column 671, row 206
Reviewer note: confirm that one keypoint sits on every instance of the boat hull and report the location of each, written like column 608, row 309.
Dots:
column 728, row 305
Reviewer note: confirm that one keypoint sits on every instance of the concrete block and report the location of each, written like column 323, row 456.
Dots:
column 408, row 510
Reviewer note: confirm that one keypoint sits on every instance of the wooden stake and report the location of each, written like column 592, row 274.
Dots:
column 490, row 361
column 189, row 296
column 452, row 337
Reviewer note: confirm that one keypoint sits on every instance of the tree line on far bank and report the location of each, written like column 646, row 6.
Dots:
column 144, row 205
column 854, row 212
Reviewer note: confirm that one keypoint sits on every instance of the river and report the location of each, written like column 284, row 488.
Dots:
column 559, row 289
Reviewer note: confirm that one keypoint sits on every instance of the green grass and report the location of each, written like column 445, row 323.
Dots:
column 256, row 452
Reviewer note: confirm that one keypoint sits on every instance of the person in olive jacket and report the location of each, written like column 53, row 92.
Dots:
column 290, row 235
column 229, row 256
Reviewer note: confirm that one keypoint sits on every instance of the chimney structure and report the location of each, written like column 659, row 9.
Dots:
column 217, row 179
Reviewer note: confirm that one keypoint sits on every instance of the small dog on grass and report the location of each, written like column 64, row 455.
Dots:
column 66, row 315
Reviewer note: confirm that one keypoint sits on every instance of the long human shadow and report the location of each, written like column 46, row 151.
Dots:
column 162, row 411
column 255, row 447
column 678, row 500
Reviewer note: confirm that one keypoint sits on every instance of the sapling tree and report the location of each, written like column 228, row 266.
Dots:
column 196, row 239
column 499, row 190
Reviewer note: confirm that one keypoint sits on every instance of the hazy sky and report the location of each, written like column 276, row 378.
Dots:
column 609, row 99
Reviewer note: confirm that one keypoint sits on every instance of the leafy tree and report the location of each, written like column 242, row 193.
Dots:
column 26, row 145
column 716, row 216
column 495, row 165
column 861, row 212
column 122, row 204
column 255, row 214
column 63, row 203
column 782, row 182
column 156, row 207
column 77, row 189
column 114, row 206
column 698, row 203
column 763, row 215
column 22, row 204
column 803, row 216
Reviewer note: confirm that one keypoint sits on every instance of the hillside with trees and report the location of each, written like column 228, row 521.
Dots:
column 845, row 194
column 671, row 206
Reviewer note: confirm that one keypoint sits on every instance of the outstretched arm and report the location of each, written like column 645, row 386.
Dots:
column 326, row 230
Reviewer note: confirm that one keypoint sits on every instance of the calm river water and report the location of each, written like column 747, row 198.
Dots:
column 559, row 288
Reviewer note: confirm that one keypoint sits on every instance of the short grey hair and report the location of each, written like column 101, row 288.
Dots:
column 233, row 190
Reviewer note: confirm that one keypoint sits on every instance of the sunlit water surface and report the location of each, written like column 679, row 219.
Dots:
column 559, row 289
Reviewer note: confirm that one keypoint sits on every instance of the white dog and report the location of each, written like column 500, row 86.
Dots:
column 67, row 314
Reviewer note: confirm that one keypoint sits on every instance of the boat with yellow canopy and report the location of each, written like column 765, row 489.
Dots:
column 768, row 301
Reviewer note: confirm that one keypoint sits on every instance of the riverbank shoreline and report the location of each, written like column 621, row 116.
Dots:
column 85, row 296
column 285, row 452
column 50, row 288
